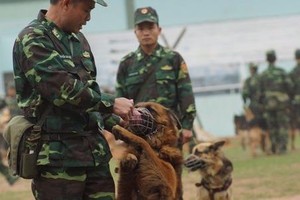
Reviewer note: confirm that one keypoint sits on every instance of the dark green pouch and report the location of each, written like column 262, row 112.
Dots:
column 28, row 154
column 28, row 168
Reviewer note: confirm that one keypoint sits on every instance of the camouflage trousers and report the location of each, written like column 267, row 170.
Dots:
column 278, row 126
column 74, row 183
column 295, row 117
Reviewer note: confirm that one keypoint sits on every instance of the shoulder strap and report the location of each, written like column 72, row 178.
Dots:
column 37, row 128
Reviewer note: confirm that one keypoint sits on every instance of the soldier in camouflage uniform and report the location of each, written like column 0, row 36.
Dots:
column 54, row 66
column 8, row 109
column 276, row 87
column 155, row 73
column 295, row 107
column 11, row 101
column 251, row 91
column 4, row 118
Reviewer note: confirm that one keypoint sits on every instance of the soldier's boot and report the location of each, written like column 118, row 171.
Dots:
column 273, row 148
column 282, row 149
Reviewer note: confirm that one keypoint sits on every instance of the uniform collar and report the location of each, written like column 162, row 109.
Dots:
column 52, row 27
column 158, row 52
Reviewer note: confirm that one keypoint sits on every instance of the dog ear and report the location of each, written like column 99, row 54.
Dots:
column 217, row 145
column 174, row 118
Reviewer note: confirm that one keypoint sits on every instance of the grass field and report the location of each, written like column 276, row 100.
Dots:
column 270, row 177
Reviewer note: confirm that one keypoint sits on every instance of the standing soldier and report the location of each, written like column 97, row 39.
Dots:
column 11, row 101
column 55, row 72
column 5, row 116
column 158, row 74
column 276, row 87
column 251, row 91
column 256, row 125
column 295, row 107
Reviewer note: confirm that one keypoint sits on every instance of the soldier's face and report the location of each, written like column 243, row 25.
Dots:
column 147, row 33
column 77, row 15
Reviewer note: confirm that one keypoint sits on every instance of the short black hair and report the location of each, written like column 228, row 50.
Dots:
column 54, row 2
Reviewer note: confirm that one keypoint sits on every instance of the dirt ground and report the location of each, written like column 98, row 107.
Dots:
column 189, row 188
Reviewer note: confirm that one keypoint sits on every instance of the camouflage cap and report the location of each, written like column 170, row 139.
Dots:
column 271, row 53
column 146, row 14
column 297, row 54
column 271, row 56
column 252, row 65
column 101, row 2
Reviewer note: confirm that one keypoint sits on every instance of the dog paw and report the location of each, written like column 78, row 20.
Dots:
column 171, row 154
column 129, row 162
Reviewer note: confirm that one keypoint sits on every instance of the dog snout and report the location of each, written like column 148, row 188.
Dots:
column 193, row 162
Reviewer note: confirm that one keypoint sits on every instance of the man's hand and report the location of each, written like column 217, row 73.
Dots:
column 186, row 135
column 123, row 107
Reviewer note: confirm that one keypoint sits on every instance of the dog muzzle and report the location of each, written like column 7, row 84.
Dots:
column 143, row 124
column 193, row 162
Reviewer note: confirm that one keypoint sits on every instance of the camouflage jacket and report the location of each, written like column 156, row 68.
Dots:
column 52, row 67
column 251, row 88
column 161, row 77
column 277, row 86
column 251, row 91
column 295, row 76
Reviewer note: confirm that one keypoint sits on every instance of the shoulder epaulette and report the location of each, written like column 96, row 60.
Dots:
column 127, row 56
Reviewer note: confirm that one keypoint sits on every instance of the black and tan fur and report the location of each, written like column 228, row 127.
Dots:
column 215, row 171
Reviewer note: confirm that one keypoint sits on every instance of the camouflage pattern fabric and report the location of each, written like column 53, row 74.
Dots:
column 276, row 87
column 13, row 107
column 251, row 91
column 74, row 184
column 53, row 67
column 295, row 107
column 161, row 77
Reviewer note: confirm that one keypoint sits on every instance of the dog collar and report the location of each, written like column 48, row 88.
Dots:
column 212, row 191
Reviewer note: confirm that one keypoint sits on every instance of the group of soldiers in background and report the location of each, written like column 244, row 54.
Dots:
column 273, row 97
column 8, row 109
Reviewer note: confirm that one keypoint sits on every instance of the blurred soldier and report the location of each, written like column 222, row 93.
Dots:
column 251, row 91
column 256, row 125
column 295, row 107
column 4, row 118
column 11, row 101
column 155, row 73
column 276, row 87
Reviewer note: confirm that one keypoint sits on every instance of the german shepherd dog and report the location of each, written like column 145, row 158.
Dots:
column 215, row 170
column 151, row 167
column 252, row 132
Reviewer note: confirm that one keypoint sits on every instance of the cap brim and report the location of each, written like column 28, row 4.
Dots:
column 101, row 2
column 145, row 20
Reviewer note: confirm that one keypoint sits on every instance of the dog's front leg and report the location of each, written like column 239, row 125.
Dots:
column 127, row 178
column 175, row 158
column 171, row 155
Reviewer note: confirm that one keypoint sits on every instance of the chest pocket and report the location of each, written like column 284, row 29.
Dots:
column 81, row 68
column 166, row 85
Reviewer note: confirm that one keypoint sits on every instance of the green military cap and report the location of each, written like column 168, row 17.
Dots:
column 271, row 53
column 252, row 65
column 297, row 53
column 146, row 14
column 101, row 2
